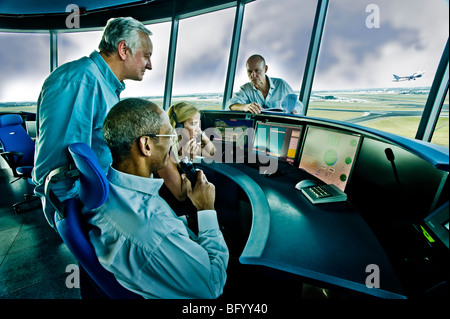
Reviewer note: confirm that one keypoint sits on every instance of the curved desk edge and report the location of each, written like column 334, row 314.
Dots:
column 340, row 282
column 435, row 154
column 254, row 250
column 259, row 231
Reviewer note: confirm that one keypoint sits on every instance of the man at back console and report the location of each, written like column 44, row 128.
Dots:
column 262, row 92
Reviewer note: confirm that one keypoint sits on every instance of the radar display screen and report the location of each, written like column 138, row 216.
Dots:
column 329, row 155
column 233, row 131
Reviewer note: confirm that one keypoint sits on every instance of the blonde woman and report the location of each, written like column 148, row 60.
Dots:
column 192, row 142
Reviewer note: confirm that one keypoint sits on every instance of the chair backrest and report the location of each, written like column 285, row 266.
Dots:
column 94, row 184
column 14, row 137
column 93, row 191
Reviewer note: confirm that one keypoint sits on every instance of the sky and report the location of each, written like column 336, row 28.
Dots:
column 361, row 48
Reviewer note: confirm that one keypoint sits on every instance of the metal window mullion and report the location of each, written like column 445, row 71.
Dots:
column 234, row 51
column 313, row 53
column 171, row 62
column 435, row 99
column 53, row 50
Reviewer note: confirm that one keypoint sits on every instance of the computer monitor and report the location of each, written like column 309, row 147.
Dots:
column 437, row 223
column 329, row 155
column 233, row 131
column 277, row 140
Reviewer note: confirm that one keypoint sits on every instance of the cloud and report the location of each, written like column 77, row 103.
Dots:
column 72, row 46
column 25, row 64
column 203, row 51
column 280, row 31
column 411, row 36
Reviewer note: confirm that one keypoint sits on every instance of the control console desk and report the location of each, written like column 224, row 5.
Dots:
column 330, row 243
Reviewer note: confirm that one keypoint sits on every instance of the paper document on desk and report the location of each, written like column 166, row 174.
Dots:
column 273, row 109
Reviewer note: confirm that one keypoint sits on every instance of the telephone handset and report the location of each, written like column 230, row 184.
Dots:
column 188, row 168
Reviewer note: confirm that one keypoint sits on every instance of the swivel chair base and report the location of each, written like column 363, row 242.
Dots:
column 30, row 202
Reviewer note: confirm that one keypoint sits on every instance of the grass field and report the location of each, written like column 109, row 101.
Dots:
column 410, row 102
column 344, row 106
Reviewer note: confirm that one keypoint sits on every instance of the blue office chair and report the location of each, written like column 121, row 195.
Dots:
column 93, row 191
column 17, row 148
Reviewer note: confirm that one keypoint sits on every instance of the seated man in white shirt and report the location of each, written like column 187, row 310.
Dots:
column 262, row 92
column 137, row 236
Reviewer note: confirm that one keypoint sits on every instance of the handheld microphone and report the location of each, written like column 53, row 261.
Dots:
column 188, row 168
column 391, row 158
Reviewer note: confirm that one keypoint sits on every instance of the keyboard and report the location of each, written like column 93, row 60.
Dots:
column 324, row 194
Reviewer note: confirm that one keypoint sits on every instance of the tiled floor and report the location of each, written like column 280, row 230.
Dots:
column 33, row 259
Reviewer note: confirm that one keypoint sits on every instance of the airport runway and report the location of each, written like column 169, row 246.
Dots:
column 370, row 115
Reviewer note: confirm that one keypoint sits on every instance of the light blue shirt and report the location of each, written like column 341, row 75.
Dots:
column 139, row 238
column 248, row 93
column 72, row 106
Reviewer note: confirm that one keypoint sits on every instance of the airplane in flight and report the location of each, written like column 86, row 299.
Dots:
column 413, row 76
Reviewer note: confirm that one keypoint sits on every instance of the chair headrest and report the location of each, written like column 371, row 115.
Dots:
column 10, row 119
column 94, row 187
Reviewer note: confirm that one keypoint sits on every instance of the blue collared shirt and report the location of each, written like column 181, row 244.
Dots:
column 139, row 238
column 248, row 93
column 72, row 106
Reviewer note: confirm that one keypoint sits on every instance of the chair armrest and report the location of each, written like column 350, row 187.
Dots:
column 54, row 177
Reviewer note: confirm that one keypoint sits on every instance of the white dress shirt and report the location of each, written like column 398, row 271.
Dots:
column 248, row 93
column 139, row 238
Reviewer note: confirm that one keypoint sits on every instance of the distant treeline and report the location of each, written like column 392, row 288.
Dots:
column 15, row 104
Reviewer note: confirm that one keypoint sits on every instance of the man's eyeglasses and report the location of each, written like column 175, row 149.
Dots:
column 172, row 136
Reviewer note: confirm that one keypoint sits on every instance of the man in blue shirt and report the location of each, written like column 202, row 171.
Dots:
column 262, row 92
column 76, row 97
column 137, row 236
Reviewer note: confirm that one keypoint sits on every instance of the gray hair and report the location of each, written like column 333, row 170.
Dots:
column 126, row 122
column 122, row 29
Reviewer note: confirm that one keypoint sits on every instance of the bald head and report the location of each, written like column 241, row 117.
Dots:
column 256, row 58
column 256, row 71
